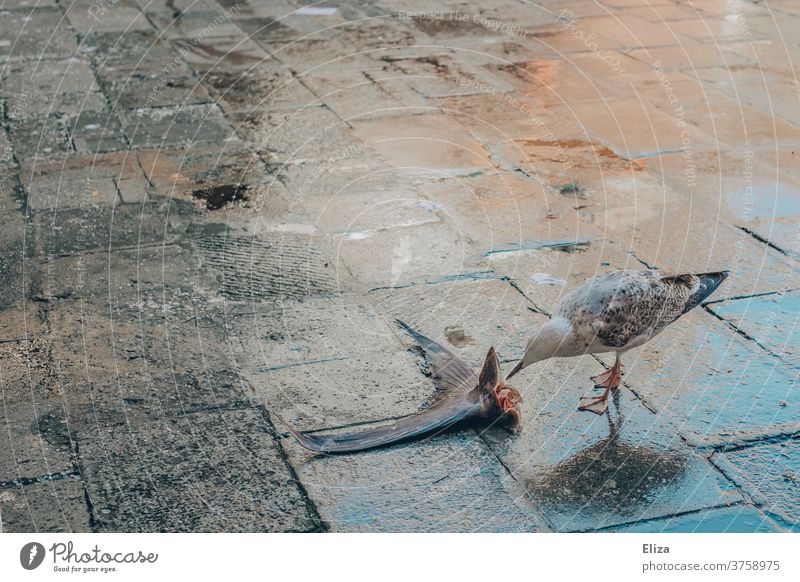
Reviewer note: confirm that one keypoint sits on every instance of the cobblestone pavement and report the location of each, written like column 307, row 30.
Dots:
column 212, row 212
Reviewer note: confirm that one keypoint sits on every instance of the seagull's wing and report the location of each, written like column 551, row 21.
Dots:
column 450, row 373
column 626, row 308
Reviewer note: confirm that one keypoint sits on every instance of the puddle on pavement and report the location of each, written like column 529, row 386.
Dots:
column 609, row 476
column 564, row 246
column 215, row 197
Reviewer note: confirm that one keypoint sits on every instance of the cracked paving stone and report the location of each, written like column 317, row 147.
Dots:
column 737, row 519
column 47, row 507
column 78, row 230
column 93, row 132
column 122, row 16
column 191, row 124
column 587, row 472
column 406, row 255
column 151, row 85
column 356, row 95
column 314, row 52
column 235, row 53
column 448, row 483
column 437, row 144
column 15, row 246
column 131, row 49
column 204, row 31
column 770, row 474
column 442, row 76
column 715, row 386
column 28, row 28
column 770, row 319
column 45, row 87
column 52, row 192
column 282, row 334
column 175, row 172
column 79, row 175
column 501, row 210
column 199, row 473
column 40, row 136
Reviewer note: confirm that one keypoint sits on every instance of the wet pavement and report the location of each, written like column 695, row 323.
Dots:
column 214, row 210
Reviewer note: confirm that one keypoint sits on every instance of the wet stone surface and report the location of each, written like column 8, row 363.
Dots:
column 728, row 391
column 585, row 471
column 213, row 211
column 450, row 483
column 769, row 473
column 202, row 472
column 737, row 519
column 770, row 319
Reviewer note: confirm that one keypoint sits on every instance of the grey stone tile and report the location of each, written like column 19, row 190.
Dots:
column 48, row 507
column 200, row 473
column 29, row 27
column 768, row 473
column 91, row 16
column 169, row 127
column 77, row 230
column 35, row 440
column 263, row 87
column 96, row 132
column 40, row 136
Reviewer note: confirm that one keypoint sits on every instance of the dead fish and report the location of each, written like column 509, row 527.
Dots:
column 616, row 312
column 463, row 396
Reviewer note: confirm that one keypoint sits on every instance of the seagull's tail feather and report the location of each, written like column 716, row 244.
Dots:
column 708, row 284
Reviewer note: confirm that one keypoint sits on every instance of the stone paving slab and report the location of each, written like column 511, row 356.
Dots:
column 29, row 27
column 203, row 472
column 768, row 473
column 47, row 507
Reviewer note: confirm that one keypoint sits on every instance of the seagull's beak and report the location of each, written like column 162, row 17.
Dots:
column 517, row 368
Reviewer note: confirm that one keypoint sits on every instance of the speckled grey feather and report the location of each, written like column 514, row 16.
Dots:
column 624, row 309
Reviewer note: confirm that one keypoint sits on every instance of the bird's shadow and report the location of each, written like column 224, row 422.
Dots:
column 610, row 476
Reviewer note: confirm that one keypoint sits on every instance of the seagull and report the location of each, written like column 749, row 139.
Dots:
column 462, row 396
column 615, row 312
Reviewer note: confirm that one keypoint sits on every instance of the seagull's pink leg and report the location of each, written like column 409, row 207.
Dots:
column 610, row 380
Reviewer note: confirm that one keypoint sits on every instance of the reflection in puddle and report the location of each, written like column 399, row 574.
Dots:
column 608, row 477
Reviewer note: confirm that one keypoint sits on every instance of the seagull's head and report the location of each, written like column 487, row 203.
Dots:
column 548, row 342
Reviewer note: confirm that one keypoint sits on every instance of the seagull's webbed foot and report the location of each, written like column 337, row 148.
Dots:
column 611, row 378
column 596, row 404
